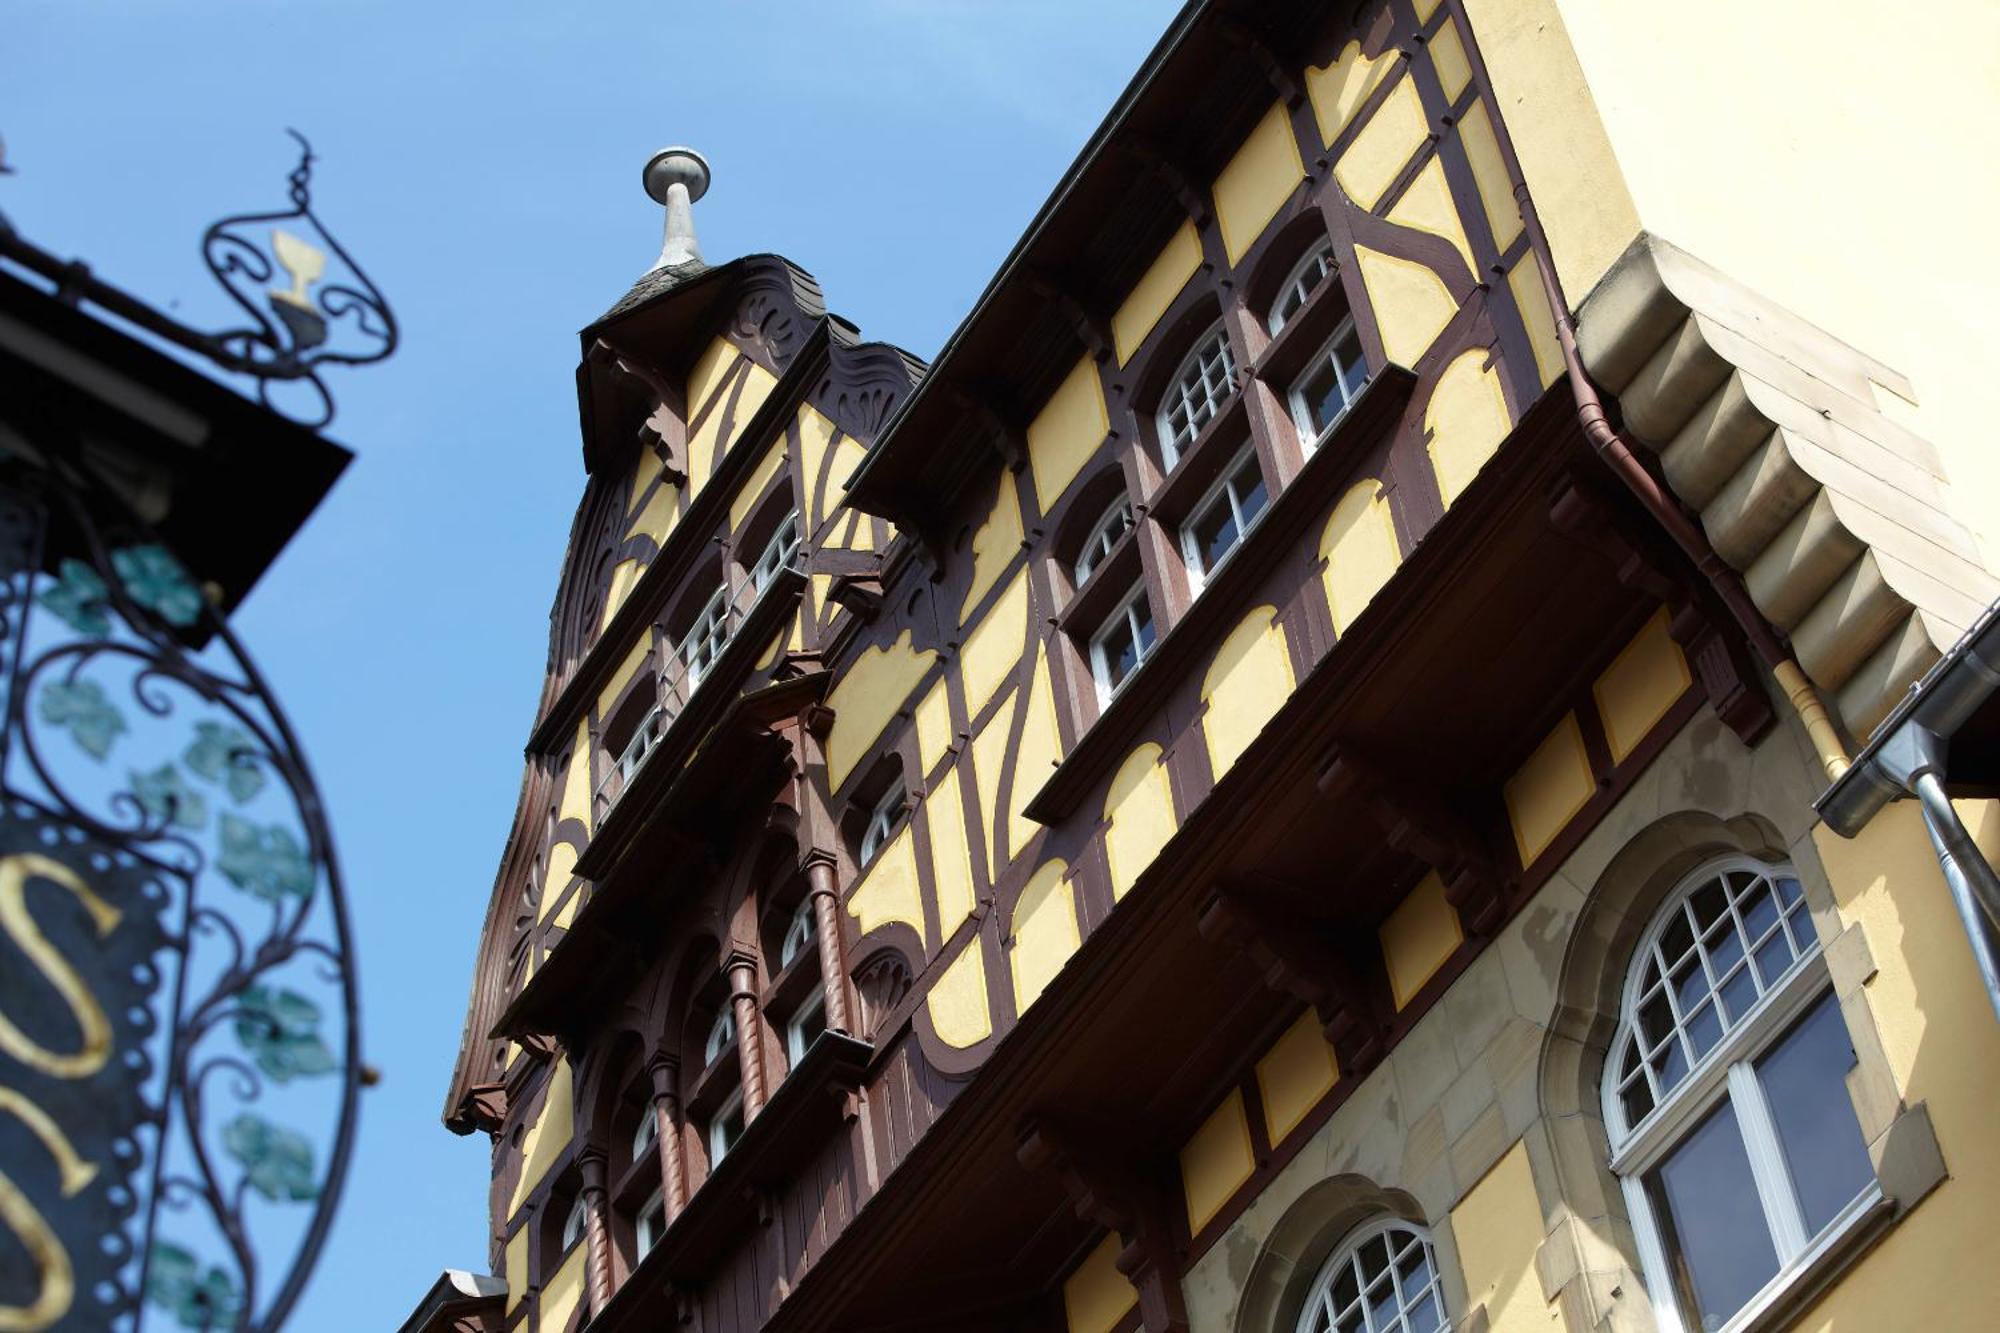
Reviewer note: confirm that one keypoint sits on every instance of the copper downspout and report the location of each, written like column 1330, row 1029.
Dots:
column 1618, row 456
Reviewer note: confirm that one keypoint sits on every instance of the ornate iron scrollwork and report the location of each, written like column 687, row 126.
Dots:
column 179, row 1058
column 292, row 332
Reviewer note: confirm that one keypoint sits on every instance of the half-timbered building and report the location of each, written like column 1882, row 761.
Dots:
column 1271, row 785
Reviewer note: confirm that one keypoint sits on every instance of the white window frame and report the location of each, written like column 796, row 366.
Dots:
column 721, row 1035
column 1223, row 492
column 1194, row 392
column 718, row 1145
column 778, row 552
column 706, row 639
column 1296, row 289
column 1725, row 1073
column 795, row 1028
column 1126, row 617
column 1346, row 1257
column 572, row 1227
column 1310, row 434
column 800, row 932
column 646, row 1134
column 645, row 1232
column 1110, row 528
column 640, row 747
column 883, row 821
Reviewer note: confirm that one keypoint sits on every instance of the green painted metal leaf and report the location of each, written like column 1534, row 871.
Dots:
column 280, row 1030
column 164, row 794
column 227, row 755
column 266, row 862
column 277, row 1162
column 79, row 598
column 154, row 579
column 175, row 1283
column 80, row 708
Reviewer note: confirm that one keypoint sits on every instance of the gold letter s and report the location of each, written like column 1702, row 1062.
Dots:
column 58, row 1287
column 15, row 919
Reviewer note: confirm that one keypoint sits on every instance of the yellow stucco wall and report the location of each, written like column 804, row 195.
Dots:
column 951, row 853
column 1498, row 1226
column 576, row 790
column 515, row 1264
column 1842, row 158
column 1096, row 1296
column 1640, row 685
column 993, row 649
column 1247, row 683
column 957, row 999
column 1943, row 1047
column 1411, row 303
column 995, row 545
column 1045, row 932
column 1067, row 431
column 1293, row 1075
column 1359, row 547
column 1138, row 816
column 1386, row 143
column 1156, row 291
column 1257, row 181
column 564, row 1292
column 1216, row 1160
column 1548, row 789
column 1418, row 937
column 1338, row 89
column 548, row 1134
column 1465, row 421
column 866, row 697
column 889, row 890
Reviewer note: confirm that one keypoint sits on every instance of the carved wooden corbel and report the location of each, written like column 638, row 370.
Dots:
column 1721, row 664
column 1422, row 824
column 1237, row 31
column 1151, row 154
column 486, row 1106
column 1106, row 1187
column 1581, row 513
column 1092, row 329
column 664, row 431
column 861, row 594
column 1298, row 959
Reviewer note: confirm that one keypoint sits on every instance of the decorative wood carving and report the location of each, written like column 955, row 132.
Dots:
column 1721, row 664
column 1423, row 824
column 880, row 985
column 1238, row 31
column 1297, row 957
column 486, row 1106
column 1163, row 164
column 1110, row 1189
column 861, row 594
column 1092, row 329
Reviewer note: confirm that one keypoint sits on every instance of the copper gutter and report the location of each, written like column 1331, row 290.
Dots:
column 1611, row 446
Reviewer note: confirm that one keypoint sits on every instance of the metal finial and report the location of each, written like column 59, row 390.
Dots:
column 676, row 177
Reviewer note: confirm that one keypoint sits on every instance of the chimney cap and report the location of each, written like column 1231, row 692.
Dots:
column 678, row 165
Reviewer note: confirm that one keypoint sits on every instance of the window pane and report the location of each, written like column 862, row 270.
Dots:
column 1712, row 1224
column 1214, row 532
column 1804, row 1081
column 1321, row 394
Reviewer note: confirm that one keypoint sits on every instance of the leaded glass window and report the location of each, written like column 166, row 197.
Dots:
column 1382, row 1279
column 1301, row 283
column 1204, row 384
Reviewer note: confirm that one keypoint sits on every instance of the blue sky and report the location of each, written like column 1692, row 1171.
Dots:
column 483, row 163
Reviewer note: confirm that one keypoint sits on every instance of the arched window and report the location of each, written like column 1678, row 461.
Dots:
column 1301, row 283
column 883, row 821
column 1725, row 1098
column 1381, row 1279
column 705, row 639
column 645, row 1134
column 572, row 1227
column 651, row 1222
column 800, row 933
column 1104, row 534
column 778, row 553
column 721, row 1035
column 1201, row 388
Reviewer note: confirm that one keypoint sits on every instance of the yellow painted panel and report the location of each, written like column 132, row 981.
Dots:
column 1546, row 792
column 1138, row 816
column 847, row 456
column 1640, row 685
column 564, row 1292
column 1045, row 932
column 562, row 868
column 747, row 496
column 1338, row 90
column 1359, row 547
column 989, row 754
column 1216, row 1161
column 1096, row 1296
column 656, row 517
column 1257, row 181
column 707, row 375
column 776, row 645
column 815, row 439
column 889, row 890
column 1156, row 291
column 576, row 791
column 757, row 385
column 1384, row 146
column 1412, row 304
column 866, row 697
column 1498, row 1227
column 623, row 576
column 1426, row 8
column 517, row 1268
column 1489, row 173
column 933, row 727
column 1525, row 281
column 1247, row 683
column 957, row 999
column 995, row 545
column 1454, row 71
column 1418, row 937
column 994, row 649
column 548, row 1134
column 1036, row 757
column 951, row 853
column 1066, row 432
column 622, row 677
column 1427, row 206
column 1294, row 1074
column 648, row 467
column 1465, row 421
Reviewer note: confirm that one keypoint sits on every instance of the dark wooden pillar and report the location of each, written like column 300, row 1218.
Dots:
column 741, row 969
column 596, row 1228
column 823, row 888
column 665, row 1071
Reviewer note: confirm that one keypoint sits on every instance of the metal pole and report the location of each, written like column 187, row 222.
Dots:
column 1978, row 930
